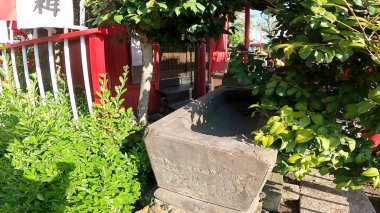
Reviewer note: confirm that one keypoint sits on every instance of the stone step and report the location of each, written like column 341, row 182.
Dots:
column 318, row 194
column 176, row 94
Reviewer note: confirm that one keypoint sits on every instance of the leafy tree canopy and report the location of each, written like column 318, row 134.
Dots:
column 324, row 30
column 167, row 20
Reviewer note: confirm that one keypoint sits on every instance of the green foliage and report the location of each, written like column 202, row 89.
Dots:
column 153, row 19
column 167, row 22
column 248, row 70
column 238, row 27
column 238, row 37
column 310, row 130
column 323, row 105
column 50, row 163
column 326, row 30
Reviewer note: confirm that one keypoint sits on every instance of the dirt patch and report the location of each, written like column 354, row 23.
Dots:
column 289, row 206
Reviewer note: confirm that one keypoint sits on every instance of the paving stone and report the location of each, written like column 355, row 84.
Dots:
column 318, row 194
column 291, row 191
column 158, row 206
column 273, row 192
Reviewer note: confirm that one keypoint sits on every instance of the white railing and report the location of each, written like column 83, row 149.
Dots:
column 12, row 50
column 52, row 64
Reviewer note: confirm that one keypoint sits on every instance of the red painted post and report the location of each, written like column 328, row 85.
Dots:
column 156, row 62
column 247, row 26
column 202, row 69
column 97, row 62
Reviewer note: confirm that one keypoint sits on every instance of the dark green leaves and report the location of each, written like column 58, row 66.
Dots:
column 374, row 95
column 305, row 51
column 166, row 21
column 330, row 99
column 317, row 118
column 333, row 21
column 365, row 106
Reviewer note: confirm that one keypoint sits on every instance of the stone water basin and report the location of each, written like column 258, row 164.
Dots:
column 201, row 156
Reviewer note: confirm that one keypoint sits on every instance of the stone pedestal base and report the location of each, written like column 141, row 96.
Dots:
column 189, row 204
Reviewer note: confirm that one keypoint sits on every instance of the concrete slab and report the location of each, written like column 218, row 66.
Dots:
column 318, row 194
column 291, row 191
column 200, row 151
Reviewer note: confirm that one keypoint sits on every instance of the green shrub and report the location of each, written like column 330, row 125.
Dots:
column 50, row 163
column 323, row 106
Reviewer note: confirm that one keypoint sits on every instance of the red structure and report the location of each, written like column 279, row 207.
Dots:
column 106, row 57
column 117, row 55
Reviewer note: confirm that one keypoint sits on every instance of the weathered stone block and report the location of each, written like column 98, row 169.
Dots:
column 200, row 151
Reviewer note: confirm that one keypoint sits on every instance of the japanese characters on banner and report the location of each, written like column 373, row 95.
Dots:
column 136, row 53
column 44, row 13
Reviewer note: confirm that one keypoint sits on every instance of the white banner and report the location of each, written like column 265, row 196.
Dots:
column 136, row 53
column 3, row 32
column 44, row 13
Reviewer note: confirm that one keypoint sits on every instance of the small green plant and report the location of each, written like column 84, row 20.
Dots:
column 51, row 163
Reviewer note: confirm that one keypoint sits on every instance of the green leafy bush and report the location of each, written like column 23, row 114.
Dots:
column 312, row 127
column 323, row 106
column 50, row 163
column 248, row 70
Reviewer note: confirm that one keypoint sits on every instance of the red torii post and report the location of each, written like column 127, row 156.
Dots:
column 202, row 54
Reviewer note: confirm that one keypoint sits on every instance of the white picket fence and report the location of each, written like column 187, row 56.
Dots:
column 52, row 65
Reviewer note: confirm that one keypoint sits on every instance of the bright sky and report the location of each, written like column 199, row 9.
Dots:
column 255, row 34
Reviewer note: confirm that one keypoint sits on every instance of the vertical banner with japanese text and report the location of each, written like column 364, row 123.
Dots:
column 44, row 13
column 136, row 53
column 137, row 63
